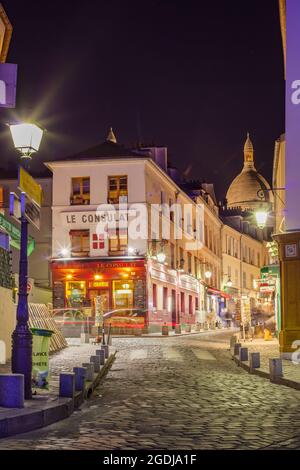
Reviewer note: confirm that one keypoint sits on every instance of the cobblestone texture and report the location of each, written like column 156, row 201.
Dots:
column 179, row 393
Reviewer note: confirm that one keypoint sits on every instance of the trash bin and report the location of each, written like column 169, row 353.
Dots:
column 40, row 357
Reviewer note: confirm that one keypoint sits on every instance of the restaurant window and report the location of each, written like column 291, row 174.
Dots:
column 118, row 241
column 154, row 296
column 75, row 293
column 80, row 242
column 117, row 189
column 80, row 191
column 165, row 298
column 123, row 294
column 182, row 301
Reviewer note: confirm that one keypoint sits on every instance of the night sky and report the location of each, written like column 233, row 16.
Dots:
column 192, row 75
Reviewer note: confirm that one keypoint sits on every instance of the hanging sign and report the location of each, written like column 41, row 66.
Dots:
column 31, row 211
column 8, row 85
column 28, row 185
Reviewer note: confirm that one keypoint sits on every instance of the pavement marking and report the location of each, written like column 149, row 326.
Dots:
column 172, row 354
column 138, row 354
column 203, row 355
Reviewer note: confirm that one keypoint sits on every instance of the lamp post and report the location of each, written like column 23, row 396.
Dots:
column 26, row 138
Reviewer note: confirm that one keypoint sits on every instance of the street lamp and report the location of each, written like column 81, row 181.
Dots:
column 261, row 218
column 208, row 274
column 26, row 138
column 229, row 282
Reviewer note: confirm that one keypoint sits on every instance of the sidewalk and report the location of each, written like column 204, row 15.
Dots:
column 270, row 350
column 172, row 333
column 47, row 407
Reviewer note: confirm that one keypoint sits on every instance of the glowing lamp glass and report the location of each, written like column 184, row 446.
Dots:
column 26, row 137
column 229, row 283
column 161, row 257
column 208, row 274
column 261, row 218
column 65, row 252
column 97, row 277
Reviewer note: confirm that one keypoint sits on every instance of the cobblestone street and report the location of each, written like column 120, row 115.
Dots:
column 176, row 393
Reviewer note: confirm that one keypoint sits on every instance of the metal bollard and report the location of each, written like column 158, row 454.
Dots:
column 106, row 350
column 96, row 361
column 243, row 354
column 67, row 385
column 254, row 360
column 101, row 354
column 275, row 367
column 89, row 366
column 80, row 374
column 12, row 390
column 237, row 347
column 233, row 341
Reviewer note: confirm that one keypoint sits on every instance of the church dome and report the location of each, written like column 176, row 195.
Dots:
column 249, row 190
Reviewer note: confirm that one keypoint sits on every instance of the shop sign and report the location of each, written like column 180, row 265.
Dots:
column 93, row 217
column 99, row 284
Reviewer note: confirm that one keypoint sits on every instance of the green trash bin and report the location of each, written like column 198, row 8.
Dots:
column 40, row 357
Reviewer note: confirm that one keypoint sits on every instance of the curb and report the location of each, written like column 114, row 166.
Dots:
column 266, row 375
column 18, row 421
column 149, row 336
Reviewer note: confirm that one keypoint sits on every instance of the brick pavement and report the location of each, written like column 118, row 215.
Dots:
column 184, row 393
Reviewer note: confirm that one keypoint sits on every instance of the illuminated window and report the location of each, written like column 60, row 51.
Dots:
column 118, row 241
column 80, row 242
column 80, row 191
column 117, row 189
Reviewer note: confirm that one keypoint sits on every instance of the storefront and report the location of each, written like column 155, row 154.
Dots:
column 216, row 305
column 173, row 296
column 120, row 284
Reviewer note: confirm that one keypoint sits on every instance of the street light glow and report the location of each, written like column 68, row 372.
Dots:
column 208, row 274
column 161, row 257
column 65, row 252
column 26, row 137
column 261, row 218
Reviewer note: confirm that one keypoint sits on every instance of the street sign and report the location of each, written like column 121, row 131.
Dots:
column 29, row 186
column 15, row 235
column 8, row 85
column 14, row 206
column 31, row 211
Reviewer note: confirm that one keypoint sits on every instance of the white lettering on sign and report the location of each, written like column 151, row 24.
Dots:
column 2, row 92
column 296, row 94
